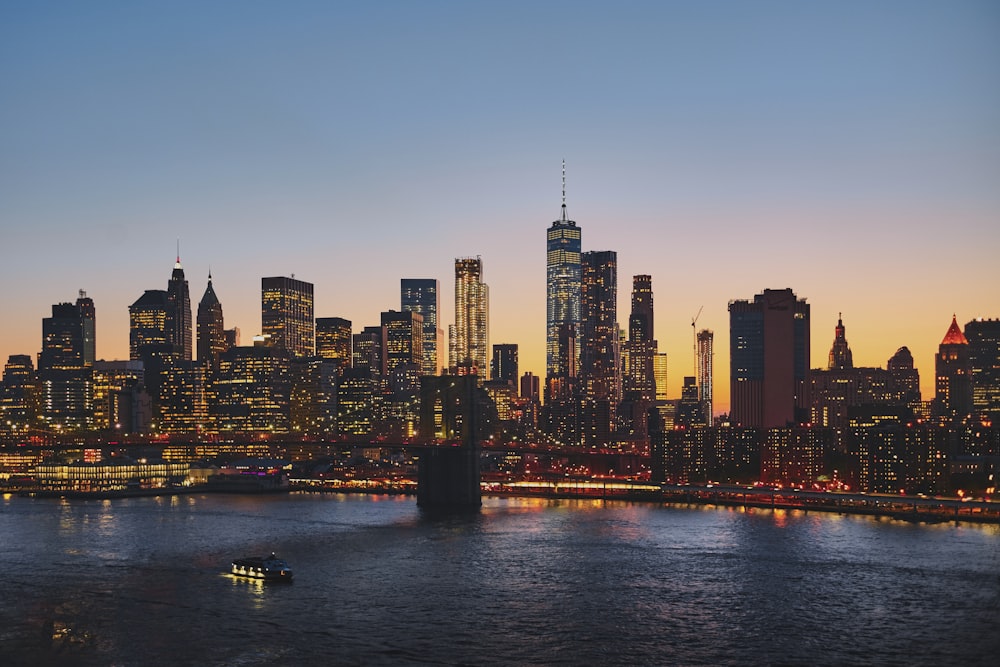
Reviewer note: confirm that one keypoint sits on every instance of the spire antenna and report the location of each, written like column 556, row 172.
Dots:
column 564, row 190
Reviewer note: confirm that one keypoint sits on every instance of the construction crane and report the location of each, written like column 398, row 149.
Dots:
column 694, row 342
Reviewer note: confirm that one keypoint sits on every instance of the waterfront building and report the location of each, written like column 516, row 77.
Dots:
column 333, row 339
column 704, row 355
column 469, row 346
column 178, row 322
column 769, row 360
column 953, row 375
column 211, row 329
column 287, row 318
column 504, row 365
column 421, row 295
column 984, row 357
column 795, row 456
column 19, row 395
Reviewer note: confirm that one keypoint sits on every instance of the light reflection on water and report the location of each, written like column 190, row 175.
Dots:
column 523, row 581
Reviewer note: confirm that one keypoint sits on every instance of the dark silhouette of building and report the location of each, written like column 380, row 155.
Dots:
column 178, row 322
column 19, row 395
column 953, row 375
column 211, row 329
column 148, row 323
column 421, row 295
column 287, row 319
column 769, row 360
column 840, row 352
column 504, row 364
column 452, row 410
column 65, row 365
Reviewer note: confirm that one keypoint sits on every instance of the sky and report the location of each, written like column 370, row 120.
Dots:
column 848, row 150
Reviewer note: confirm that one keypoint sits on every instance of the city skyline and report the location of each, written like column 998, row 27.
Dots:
column 839, row 152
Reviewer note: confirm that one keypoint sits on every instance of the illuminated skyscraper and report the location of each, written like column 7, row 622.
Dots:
column 68, row 337
column 147, row 323
column 705, row 339
column 178, row 324
column 211, row 330
column 563, row 274
column 421, row 295
column 840, row 353
column 660, row 374
column 953, row 371
column 984, row 354
column 287, row 315
column 640, row 376
column 769, row 360
column 470, row 345
column 333, row 339
column 600, row 367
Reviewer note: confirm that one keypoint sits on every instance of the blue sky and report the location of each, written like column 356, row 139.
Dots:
column 849, row 150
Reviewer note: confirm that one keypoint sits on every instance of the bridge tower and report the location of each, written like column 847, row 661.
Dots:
column 448, row 472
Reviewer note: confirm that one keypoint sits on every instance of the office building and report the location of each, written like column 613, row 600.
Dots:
column 953, row 375
column 984, row 356
column 333, row 339
column 504, row 365
column 211, row 329
column 640, row 374
column 178, row 322
column 469, row 346
column 147, row 323
column 769, row 360
column 421, row 295
column 287, row 319
column 252, row 390
column 68, row 337
column 705, row 354
column 563, row 274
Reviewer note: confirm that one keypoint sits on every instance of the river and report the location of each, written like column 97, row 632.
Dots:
column 143, row 581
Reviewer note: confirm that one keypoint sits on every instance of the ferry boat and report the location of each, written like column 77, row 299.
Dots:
column 269, row 568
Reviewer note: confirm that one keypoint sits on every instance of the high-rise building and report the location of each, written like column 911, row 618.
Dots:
column 769, row 360
column 600, row 367
column 421, row 295
column 953, row 372
column 68, row 337
column 368, row 353
column 563, row 274
column 333, row 339
column 252, row 390
column 65, row 365
column 661, row 375
column 640, row 377
column 470, row 347
column 147, row 323
column 984, row 355
column 705, row 340
column 211, row 330
column 178, row 324
column 19, row 396
column 504, row 365
column 287, row 315
column 404, row 339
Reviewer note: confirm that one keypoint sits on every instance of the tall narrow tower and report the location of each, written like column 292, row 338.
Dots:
column 562, row 287
column 705, row 341
column 421, row 295
column 179, row 312
column 640, row 374
column 470, row 347
column 211, row 330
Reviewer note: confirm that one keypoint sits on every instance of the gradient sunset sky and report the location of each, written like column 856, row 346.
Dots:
column 848, row 150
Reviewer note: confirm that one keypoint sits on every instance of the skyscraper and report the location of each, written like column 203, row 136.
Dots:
column 287, row 315
column 504, row 366
column 600, row 367
column 68, row 337
column 640, row 378
column 984, row 355
column 333, row 339
column 211, row 330
column 563, row 272
column 953, row 371
column 769, row 360
column 421, row 295
column 178, row 324
column 840, row 352
column 470, row 345
column 705, row 341
column 147, row 323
